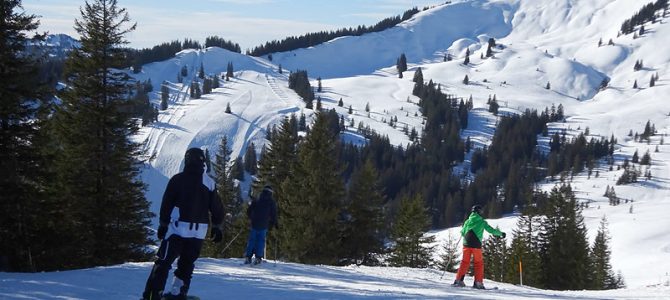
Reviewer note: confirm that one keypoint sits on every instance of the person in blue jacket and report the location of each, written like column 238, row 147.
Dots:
column 262, row 213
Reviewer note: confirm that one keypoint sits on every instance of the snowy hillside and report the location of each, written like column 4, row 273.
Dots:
column 554, row 42
column 547, row 41
column 226, row 279
column 257, row 96
column 55, row 45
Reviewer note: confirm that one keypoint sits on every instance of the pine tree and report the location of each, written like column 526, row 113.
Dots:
column 494, row 107
column 367, row 107
column 548, row 86
column 250, row 161
column 635, row 84
column 30, row 218
column 418, row 76
column 237, row 169
column 603, row 276
column 564, row 267
column 229, row 71
column 652, row 81
column 412, row 222
column 340, row 103
column 302, row 123
column 401, row 64
column 646, row 159
column 275, row 165
column 206, row 86
column 215, row 82
column 466, row 80
column 450, row 257
column 165, row 95
column 319, row 87
column 195, row 90
column 351, row 110
column 98, row 173
column 223, row 187
column 318, row 103
column 524, row 249
column 229, row 195
column 228, row 111
column 363, row 235
column 495, row 258
column 314, row 188
column 201, row 72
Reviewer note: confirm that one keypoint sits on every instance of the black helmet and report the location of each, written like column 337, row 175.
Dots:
column 477, row 209
column 194, row 157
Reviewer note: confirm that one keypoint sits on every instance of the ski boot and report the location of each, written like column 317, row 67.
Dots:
column 478, row 285
column 258, row 260
column 152, row 295
column 458, row 283
column 247, row 260
column 178, row 291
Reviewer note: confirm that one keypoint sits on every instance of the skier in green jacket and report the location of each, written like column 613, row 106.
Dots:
column 473, row 233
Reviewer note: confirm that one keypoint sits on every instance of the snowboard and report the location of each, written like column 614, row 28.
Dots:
column 173, row 297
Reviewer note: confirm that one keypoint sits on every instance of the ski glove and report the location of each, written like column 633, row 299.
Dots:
column 216, row 234
column 162, row 230
column 503, row 235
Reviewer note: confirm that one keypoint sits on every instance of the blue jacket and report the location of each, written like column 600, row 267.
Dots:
column 263, row 211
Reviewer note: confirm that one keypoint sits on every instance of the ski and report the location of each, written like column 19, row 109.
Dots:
column 174, row 297
column 462, row 287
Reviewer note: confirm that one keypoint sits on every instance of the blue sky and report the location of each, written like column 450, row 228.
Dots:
column 247, row 22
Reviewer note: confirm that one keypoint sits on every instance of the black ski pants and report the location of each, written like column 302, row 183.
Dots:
column 188, row 251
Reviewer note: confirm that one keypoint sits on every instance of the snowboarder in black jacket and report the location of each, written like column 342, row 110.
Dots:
column 262, row 213
column 189, row 198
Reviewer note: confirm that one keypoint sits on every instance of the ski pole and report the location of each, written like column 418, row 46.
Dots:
column 450, row 258
column 231, row 241
column 275, row 238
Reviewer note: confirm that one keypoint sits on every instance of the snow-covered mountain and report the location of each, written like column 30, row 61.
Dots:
column 540, row 42
column 56, row 45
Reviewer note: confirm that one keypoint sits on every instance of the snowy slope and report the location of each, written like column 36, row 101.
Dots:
column 549, row 41
column 424, row 37
column 227, row 279
column 257, row 100
column 542, row 41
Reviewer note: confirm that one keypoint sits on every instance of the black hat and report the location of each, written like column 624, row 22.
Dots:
column 267, row 188
column 194, row 157
column 477, row 209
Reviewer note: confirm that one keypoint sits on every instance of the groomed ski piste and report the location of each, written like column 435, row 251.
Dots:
column 542, row 41
column 226, row 279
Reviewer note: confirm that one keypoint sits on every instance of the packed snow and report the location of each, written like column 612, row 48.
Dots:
column 228, row 279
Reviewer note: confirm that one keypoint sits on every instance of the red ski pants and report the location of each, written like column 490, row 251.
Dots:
column 465, row 264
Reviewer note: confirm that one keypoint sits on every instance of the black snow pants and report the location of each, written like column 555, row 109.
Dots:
column 188, row 251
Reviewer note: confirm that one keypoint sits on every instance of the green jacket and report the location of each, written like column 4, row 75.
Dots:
column 477, row 224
